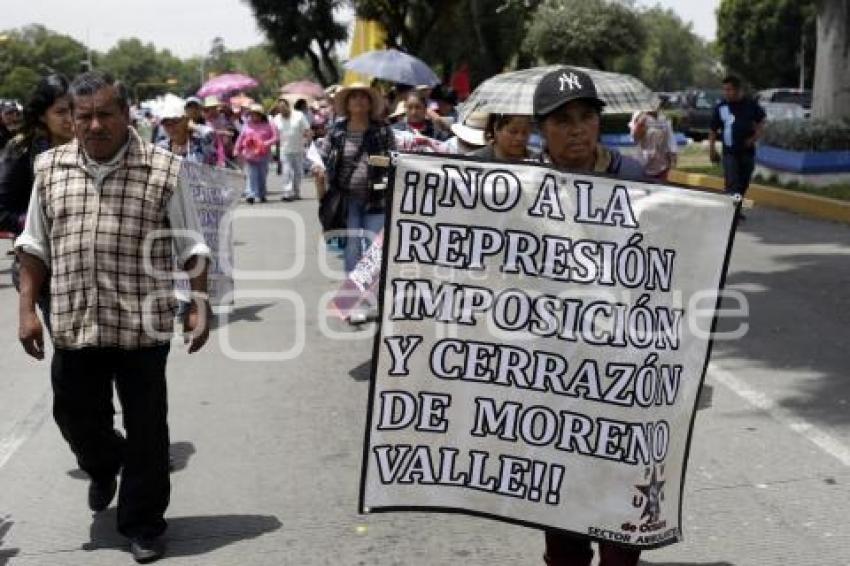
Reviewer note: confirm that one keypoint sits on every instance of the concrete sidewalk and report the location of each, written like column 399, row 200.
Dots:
column 269, row 452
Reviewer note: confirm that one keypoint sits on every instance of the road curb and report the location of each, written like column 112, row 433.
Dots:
column 801, row 203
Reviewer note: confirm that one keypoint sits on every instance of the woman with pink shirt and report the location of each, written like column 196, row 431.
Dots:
column 254, row 146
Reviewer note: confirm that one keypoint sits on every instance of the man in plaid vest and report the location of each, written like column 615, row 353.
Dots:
column 106, row 219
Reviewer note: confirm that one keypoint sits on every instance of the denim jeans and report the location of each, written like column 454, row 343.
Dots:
column 293, row 171
column 361, row 227
column 737, row 170
column 257, row 173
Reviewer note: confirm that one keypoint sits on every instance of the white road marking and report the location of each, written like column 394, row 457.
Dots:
column 812, row 433
column 24, row 429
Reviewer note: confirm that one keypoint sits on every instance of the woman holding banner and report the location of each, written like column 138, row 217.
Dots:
column 507, row 138
column 568, row 114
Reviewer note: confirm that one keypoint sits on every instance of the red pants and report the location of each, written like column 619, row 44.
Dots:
column 564, row 549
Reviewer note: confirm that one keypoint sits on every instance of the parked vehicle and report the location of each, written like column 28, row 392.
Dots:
column 670, row 100
column 802, row 98
column 784, row 111
column 697, row 110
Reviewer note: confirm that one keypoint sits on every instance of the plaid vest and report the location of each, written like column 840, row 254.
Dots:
column 102, row 292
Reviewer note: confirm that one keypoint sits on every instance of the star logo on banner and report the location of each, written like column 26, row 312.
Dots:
column 653, row 494
column 570, row 81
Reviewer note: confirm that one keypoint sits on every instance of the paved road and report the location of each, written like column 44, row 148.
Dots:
column 269, row 451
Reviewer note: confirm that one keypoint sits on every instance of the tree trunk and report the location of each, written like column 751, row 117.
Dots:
column 316, row 65
column 483, row 52
column 328, row 62
column 832, row 63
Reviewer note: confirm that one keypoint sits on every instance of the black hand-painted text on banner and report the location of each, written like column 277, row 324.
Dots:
column 539, row 357
column 215, row 192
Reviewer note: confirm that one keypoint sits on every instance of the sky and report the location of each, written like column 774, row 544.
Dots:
column 187, row 27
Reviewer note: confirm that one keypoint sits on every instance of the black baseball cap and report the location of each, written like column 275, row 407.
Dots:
column 563, row 85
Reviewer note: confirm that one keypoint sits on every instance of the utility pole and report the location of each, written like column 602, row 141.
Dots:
column 802, row 62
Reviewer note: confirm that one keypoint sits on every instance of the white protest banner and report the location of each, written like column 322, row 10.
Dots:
column 543, row 339
column 360, row 286
column 215, row 191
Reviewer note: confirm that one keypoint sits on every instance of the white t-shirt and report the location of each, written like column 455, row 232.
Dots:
column 291, row 131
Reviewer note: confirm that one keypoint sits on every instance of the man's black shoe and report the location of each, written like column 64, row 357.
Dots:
column 146, row 549
column 101, row 494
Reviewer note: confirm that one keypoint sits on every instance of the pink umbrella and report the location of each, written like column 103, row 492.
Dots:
column 307, row 88
column 229, row 82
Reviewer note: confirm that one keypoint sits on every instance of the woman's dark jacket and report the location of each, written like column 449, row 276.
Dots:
column 16, row 180
column 377, row 140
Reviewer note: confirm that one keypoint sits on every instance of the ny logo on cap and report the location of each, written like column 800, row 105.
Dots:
column 570, row 80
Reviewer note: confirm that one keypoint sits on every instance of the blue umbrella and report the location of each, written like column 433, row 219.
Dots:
column 393, row 65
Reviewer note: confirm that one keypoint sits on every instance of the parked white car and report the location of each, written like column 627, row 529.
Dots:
column 783, row 111
column 795, row 96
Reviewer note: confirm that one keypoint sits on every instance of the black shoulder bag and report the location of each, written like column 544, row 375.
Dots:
column 333, row 208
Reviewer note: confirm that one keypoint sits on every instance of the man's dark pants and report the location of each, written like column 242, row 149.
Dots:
column 737, row 170
column 82, row 387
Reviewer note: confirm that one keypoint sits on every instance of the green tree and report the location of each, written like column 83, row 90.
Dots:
column 591, row 33
column 408, row 24
column 60, row 53
column 146, row 70
column 41, row 51
column 19, row 83
column 261, row 63
column 446, row 34
column 217, row 55
column 303, row 28
column 762, row 39
column 707, row 67
column 487, row 40
column 673, row 57
column 180, row 75
column 258, row 61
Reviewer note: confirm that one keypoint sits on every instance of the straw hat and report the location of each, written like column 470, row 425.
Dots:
column 258, row 108
column 211, row 101
column 471, row 130
column 341, row 99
